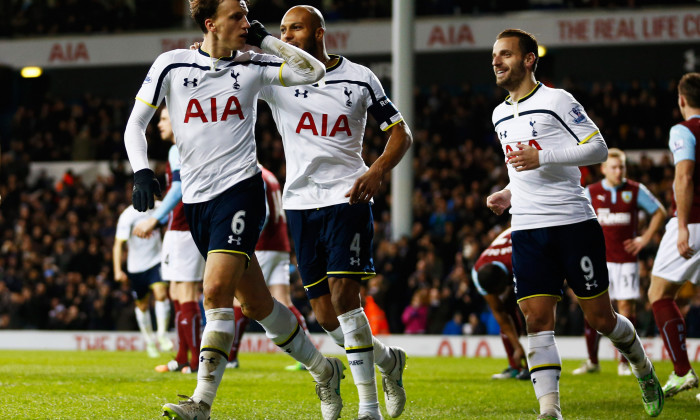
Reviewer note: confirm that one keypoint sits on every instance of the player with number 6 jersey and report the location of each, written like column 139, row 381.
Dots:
column 211, row 94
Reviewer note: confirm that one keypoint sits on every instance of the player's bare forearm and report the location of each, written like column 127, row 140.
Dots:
column 367, row 185
column 655, row 224
column 400, row 140
column 117, row 259
column 499, row 201
column 683, row 188
column 505, row 321
column 144, row 228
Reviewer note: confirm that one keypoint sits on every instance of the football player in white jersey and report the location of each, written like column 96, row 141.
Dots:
column 327, row 196
column 211, row 95
column 143, row 273
column 181, row 263
column 546, row 135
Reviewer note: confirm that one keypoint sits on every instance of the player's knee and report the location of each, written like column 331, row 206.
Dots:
column 345, row 302
column 538, row 322
column 603, row 323
column 217, row 295
column 256, row 309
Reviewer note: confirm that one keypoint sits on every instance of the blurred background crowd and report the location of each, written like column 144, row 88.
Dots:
column 57, row 232
column 22, row 18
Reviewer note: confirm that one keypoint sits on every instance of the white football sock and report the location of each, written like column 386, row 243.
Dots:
column 382, row 355
column 337, row 336
column 545, row 369
column 213, row 355
column 282, row 327
column 359, row 350
column 626, row 341
column 143, row 319
column 162, row 316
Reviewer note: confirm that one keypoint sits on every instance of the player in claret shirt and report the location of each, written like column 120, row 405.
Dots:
column 492, row 275
column 546, row 135
column 678, row 259
column 617, row 202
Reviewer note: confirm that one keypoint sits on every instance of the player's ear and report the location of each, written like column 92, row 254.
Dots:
column 319, row 33
column 209, row 24
column 530, row 59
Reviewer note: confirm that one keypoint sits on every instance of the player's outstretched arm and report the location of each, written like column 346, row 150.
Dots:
column 119, row 274
column 635, row 245
column 367, row 185
column 145, row 183
column 301, row 67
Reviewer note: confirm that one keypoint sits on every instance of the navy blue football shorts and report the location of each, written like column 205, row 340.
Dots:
column 543, row 258
column 141, row 282
column 231, row 222
column 334, row 241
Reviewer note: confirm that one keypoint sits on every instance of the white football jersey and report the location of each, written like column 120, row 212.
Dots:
column 143, row 253
column 552, row 194
column 322, row 128
column 213, row 107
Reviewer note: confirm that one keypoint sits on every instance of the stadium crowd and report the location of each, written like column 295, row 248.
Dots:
column 21, row 18
column 56, row 235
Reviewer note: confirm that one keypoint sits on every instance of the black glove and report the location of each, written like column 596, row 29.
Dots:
column 145, row 187
column 256, row 34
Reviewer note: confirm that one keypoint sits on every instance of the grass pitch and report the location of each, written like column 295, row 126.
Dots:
column 123, row 385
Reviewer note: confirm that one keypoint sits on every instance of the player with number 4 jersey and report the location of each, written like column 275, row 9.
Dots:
column 328, row 195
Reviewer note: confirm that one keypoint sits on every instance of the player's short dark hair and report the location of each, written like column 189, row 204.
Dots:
column 689, row 87
column 526, row 41
column 201, row 10
column 493, row 279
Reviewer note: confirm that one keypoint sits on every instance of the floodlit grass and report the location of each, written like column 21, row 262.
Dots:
column 123, row 385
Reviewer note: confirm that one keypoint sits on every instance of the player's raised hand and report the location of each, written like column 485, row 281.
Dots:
column 195, row 45
column 256, row 34
column 525, row 158
column 145, row 187
column 365, row 187
column 499, row 201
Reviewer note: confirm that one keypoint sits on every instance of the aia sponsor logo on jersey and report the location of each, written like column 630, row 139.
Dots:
column 533, row 143
column 195, row 110
column 308, row 122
